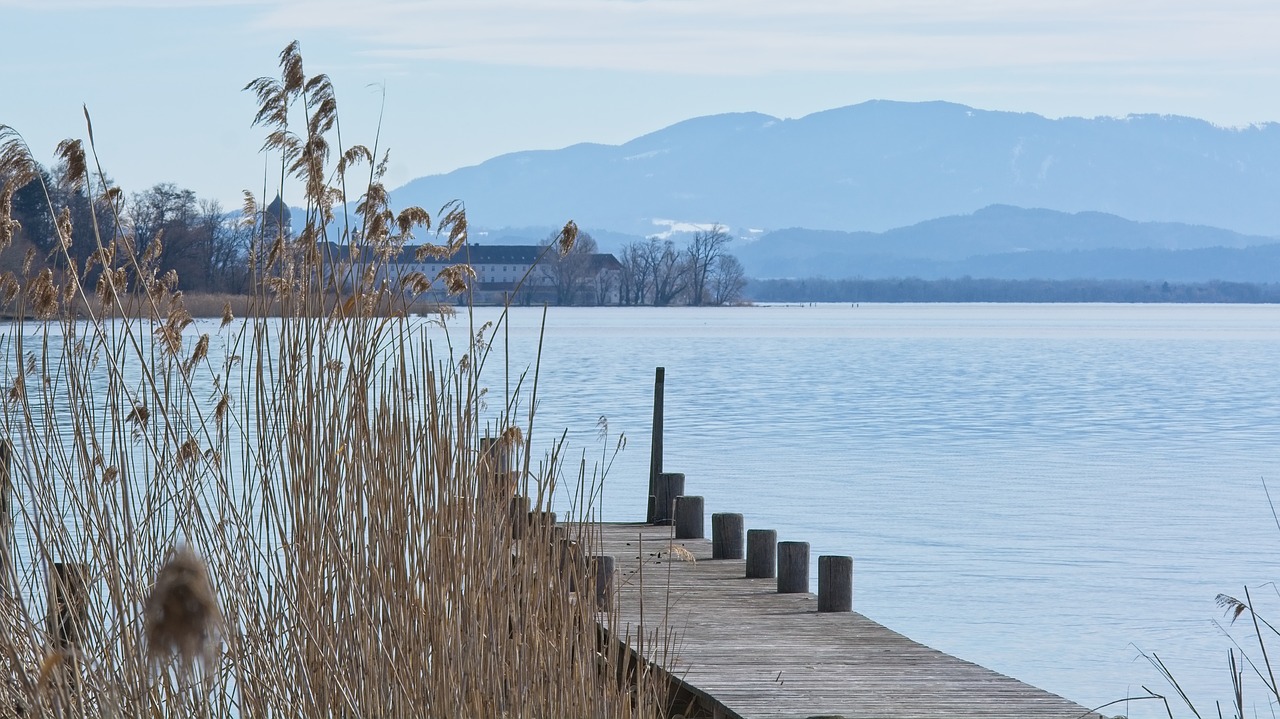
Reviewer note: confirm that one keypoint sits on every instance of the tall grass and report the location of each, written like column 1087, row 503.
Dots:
column 288, row 514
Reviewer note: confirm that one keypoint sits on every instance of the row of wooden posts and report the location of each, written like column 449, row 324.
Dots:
column 765, row 556
column 599, row 568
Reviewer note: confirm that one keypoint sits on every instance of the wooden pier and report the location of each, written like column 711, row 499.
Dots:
column 740, row 649
column 742, row 638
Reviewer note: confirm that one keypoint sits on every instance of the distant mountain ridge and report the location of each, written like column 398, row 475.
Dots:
column 880, row 165
column 1006, row 242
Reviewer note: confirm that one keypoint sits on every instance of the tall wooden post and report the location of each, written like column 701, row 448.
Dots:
column 655, row 452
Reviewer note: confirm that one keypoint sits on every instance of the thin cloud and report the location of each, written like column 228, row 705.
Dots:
column 66, row 5
column 737, row 37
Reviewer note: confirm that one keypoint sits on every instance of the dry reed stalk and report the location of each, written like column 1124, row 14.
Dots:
column 323, row 453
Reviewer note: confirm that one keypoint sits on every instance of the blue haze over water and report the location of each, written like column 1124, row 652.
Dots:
column 1045, row 490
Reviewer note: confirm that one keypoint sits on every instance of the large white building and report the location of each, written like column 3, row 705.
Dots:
column 520, row 271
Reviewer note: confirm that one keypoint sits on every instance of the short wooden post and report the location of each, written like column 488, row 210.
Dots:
column 726, row 535
column 6, row 515
column 835, row 584
column 68, row 603
column 494, row 467
column 762, row 553
column 540, row 524
column 572, row 564
column 602, row 568
column 655, row 451
column 519, row 516
column 793, row 567
column 690, row 518
column 669, row 486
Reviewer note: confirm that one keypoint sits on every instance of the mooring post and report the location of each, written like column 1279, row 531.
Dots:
column 494, row 467
column 602, row 568
column 668, row 486
column 762, row 553
column 572, row 563
column 793, row 567
column 690, row 518
column 835, row 584
column 655, row 452
column 519, row 516
column 68, row 603
column 540, row 525
column 726, row 535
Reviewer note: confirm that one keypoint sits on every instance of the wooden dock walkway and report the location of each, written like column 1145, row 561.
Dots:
column 745, row 651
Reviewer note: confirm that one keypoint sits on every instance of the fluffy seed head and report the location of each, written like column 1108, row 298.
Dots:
column 181, row 613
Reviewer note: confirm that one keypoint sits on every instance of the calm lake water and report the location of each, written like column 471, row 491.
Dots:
column 1046, row 490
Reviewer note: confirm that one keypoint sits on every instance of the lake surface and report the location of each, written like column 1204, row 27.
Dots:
column 1046, row 490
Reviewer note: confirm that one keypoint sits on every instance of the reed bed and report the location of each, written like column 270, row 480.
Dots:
column 291, row 515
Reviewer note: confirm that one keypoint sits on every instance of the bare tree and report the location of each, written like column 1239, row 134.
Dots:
column 568, row 274
column 636, row 275
column 224, row 244
column 670, row 271
column 727, row 280
column 704, row 250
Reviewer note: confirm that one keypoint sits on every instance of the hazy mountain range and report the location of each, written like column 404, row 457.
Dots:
column 1007, row 242
column 908, row 189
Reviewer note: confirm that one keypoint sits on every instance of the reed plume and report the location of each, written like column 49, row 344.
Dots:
column 322, row 448
column 181, row 614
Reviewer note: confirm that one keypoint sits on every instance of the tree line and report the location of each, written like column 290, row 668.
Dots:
column 703, row 272
column 967, row 289
column 194, row 238
column 186, row 234
column 647, row 272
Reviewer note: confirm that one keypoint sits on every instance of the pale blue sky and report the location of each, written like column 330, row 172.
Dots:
column 469, row 79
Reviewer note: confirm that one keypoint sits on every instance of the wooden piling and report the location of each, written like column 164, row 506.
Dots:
column 655, row 452
column 793, row 567
column 669, row 486
column 726, row 535
column 762, row 553
column 572, row 563
column 835, row 584
column 602, row 569
column 690, row 518
column 68, row 603
column 540, row 524
column 519, row 516
column 497, row 481
column 749, row 652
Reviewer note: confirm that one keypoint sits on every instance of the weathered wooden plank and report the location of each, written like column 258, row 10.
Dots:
column 760, row 654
